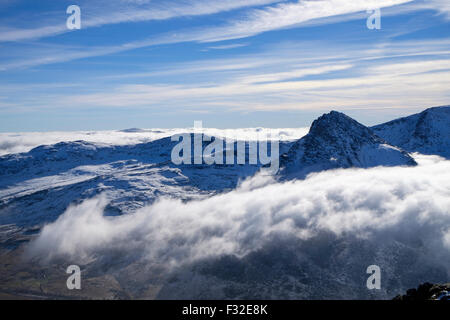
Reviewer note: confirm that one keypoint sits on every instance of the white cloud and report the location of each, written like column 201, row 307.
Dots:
column 380, row 205
column 269, row 17
column 298, row 73
column 25, row 141
column 254, row 21
column 442, row 6
column 413, row 75
column 364, row 88
column 410, row 68
column 229, row 46
column 96, row 14
column 286, row 15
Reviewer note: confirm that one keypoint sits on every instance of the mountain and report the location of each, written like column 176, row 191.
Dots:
column 37, row 186
column 427, row 132
column 337, row 141
column 325, row 266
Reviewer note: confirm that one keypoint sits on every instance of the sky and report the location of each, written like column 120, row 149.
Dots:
column 230, row 64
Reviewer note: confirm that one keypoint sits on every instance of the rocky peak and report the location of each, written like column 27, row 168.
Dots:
column 335, row 124
column 337, row 141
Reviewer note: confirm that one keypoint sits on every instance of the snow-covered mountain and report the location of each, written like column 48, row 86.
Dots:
column 427, row 132
column 37, row 187
column 337, row 141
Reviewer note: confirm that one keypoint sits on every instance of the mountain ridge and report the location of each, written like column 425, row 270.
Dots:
column 37, row 186
column 427, row 132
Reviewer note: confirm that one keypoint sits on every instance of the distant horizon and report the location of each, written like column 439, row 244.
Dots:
column 14, row 142
column 306, row 123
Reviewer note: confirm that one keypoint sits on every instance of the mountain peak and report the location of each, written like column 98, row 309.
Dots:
column 333, row 116
column 337, row 141
column 338, row 124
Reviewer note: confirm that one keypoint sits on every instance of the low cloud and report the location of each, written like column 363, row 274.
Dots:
column 379, row 205
column 24, row 142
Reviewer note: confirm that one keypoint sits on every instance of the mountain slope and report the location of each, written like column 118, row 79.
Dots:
column 37, row 186
column 337, row 141
column 427, row 132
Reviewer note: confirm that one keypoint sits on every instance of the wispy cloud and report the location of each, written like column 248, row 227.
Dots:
column 442, row 6
column 228, row 46
column 362, row 91
column 298, row 73
column 410, row 77
column 253, row 22
column 411, row 68
column 288, row 15
column 100, row 13
column 292, row 75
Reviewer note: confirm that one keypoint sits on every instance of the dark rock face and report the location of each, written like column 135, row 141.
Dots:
column 427, row 132
column 337, row 141
column 427, row 291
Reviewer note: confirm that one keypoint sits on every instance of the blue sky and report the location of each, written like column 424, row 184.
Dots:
column 235, row 63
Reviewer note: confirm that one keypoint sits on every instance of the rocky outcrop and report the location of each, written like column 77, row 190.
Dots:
column 427, row 291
